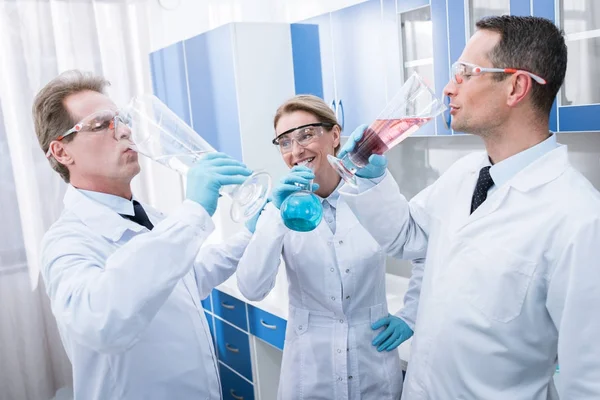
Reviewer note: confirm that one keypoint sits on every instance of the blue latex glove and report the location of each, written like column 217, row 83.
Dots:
column 207, row 176
column 299, row 174
column 377, row 164
column 395, row 333
column 251, row 223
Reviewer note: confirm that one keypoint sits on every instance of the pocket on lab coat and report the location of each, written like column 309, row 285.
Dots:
column 497, row 282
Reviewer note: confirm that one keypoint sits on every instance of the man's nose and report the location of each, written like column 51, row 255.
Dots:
column 450, row 89
column 122, row 130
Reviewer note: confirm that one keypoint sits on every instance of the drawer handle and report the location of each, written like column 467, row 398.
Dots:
column 231, row 348
column 227, row 306
column 235, row 396
column 263, row 323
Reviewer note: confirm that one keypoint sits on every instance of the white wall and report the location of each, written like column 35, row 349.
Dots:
column 192, row 17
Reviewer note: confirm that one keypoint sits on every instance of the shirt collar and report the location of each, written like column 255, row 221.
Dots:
column 332, row 199
column 116, row 203
column 505, row 170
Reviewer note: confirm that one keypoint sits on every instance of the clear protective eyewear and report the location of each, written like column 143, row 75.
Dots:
column 303, row 135
column 461, row 69
column 99, row 122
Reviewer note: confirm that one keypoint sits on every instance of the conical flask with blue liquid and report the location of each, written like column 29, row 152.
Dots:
column 302, row 211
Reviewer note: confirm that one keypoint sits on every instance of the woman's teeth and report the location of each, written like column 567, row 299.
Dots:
column 306, row 162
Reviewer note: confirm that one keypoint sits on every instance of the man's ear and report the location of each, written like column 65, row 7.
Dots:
column 60, row 153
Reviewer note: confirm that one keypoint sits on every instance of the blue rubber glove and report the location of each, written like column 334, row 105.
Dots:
column 207, row 176
column 299, row 174
column 377, row 164
column 251, row 223
column 395, row 333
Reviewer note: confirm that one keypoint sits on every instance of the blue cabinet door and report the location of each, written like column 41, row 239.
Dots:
column 212, row 89
column 169, row 80
column 360, row 63
column 234, row 387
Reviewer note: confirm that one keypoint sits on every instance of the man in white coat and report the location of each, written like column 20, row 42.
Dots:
column 511, row 236
column 125, row 282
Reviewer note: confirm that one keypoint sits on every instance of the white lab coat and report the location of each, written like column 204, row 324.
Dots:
column 336, row 290
column 507, row 289
column 127, row 301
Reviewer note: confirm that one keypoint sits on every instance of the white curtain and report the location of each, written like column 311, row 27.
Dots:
column 38, row 40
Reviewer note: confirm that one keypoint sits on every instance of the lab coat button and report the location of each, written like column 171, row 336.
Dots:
column 332, row 298
column 300, row 327
column 350, row 377
column 347, row 271
column 331, row 269
column 341, row 242
column 339, row 378
column 347, row 297
column 341, row 321
column 339, row 350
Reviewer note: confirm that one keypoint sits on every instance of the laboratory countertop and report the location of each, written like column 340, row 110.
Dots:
column 276, row 302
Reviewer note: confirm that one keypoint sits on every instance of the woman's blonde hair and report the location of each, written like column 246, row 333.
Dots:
column 310, row 104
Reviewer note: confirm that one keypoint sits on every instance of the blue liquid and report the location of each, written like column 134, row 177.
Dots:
column 302, row 211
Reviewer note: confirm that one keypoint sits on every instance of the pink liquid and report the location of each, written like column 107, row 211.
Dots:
column 382, row 135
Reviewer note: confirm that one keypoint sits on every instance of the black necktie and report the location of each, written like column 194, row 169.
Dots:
column 140, row 216
column 484, row 183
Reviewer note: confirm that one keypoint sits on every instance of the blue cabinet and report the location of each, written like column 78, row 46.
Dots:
column 230, row 309
column 267, row 326
column 566, row 117
column 233, row 386
column 360, row 63
column 233, row 348
column 353, row 62
column 314, row 79
column 169, row 79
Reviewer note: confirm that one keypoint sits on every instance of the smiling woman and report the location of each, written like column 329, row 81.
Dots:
column 340, row 339
column 306, row 131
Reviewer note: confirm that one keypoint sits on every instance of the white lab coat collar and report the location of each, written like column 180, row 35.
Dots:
column 116, row 203
column 539, row 172
column 505, row 170
column 97, row 216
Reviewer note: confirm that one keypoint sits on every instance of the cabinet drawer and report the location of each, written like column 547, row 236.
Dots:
column 233, row 347
column 234, row 387
column 206, row 303
column 267, row 326
column 230, row 309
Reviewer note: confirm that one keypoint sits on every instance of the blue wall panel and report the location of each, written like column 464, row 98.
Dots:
column 308, row 77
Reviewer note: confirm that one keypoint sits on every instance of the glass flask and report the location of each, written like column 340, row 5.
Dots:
column 412, row 107
column 158, row 133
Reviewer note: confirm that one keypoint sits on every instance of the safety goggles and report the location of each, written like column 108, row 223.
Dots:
column 462, row 69
column 104, row 121
column 303, row 135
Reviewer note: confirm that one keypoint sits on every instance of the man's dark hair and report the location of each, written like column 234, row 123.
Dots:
column 532, row 44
